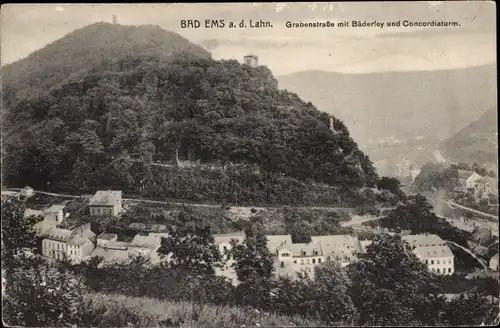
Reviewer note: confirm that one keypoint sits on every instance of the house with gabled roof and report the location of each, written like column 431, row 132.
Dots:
column 107, row 202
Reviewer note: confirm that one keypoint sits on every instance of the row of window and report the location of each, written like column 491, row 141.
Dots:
column 99, row 210
column 439, row 270
column 438, row 261
column 302, row 253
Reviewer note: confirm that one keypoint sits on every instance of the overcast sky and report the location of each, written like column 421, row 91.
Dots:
column 28, row 27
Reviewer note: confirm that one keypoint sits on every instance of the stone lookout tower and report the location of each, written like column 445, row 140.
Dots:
column 251, row 60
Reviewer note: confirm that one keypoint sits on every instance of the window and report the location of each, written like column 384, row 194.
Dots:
column 295, row 261
column 438, row 262
column 319, row 260
column 432, row 261
column 314, row 261
column 449, row 261
column 308, row 261
column 301, row 261
column 345, row 257
column 57, row 246
column 315, row 252
column 426, row 261
column 303, row 253
column 282, row 264
column 338, row 258
column 449, row 270
column 439, row 270
column 225, row 249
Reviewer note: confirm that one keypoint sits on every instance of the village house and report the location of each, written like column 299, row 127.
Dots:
column 54, row 213
column 27, row 192
column 106, row 203
column 439, row 259
column 293, row 259
column 433, row 251
column 74, row 244
column 223, row 243
column 106, row 238
column 147, row 246
column 466, row 180
column 485, row 186
column 111, row 252
column 339, row 248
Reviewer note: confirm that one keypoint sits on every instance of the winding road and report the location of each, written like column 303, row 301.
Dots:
column 481, row 261
column 148, row 201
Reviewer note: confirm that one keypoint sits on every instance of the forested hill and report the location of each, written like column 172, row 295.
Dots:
column 83, row 49
column 84, row 131
column 477, row 142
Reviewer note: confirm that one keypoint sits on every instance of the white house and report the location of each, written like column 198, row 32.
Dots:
column 339, row 248
column 55, row 243
column 27, row 192
column 73, row 244
column 223, row 243
column 147, row 246
column 485, row 186
column 54, row 213
column 298, row 258
column 467, row 179
column 106, row 203
column 439, row 259
column 251, row 60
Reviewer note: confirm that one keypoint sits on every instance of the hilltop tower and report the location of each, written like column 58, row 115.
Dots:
column 251, row 60
column 114, row 20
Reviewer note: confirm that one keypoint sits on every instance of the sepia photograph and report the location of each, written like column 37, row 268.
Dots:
column 267, row 164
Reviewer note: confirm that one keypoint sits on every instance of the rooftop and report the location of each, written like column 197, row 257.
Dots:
column 111, row 255
column 275, row 241
column 107, row 236
column 423, row 240
column 487, row 180
column 433, row 251
column 336, row 241
column 58, row 234
column 298, row 249
column 226, row 238
column 43, row 226
column 54, row 209
column 31, row 212
column 151, row 242
column 464, row 174
column 106, row 198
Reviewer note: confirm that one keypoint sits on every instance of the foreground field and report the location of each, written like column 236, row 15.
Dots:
column 101, row 310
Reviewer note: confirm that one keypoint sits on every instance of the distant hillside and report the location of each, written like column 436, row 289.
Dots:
column 141, row 105
column 433, row 104
column 477, row 142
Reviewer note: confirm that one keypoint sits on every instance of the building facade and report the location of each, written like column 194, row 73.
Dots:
column 251, row 60
column 433, row 251
column 74, row 245
column 107, row 202
column 467, row 180
column 439, row 259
